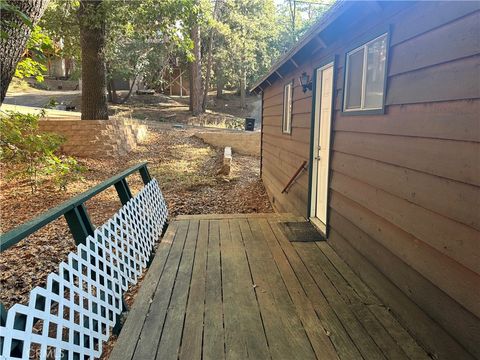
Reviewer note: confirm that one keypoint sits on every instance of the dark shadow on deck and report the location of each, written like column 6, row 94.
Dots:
column 233, row 286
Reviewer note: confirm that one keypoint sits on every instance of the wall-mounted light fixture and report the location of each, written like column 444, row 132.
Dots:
column 305, row 82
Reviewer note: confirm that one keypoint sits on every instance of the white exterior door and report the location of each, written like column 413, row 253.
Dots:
column 321, row 146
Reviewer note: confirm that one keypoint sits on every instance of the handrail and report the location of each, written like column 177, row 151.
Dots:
column 98, row 272
column 302, row 167
column 74, row 210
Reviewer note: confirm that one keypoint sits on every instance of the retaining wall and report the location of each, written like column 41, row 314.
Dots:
column 97, row 138
column 242, row 142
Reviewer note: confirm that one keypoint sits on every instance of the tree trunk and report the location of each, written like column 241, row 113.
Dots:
column 220, row 81
column 208, row 71
column 92, row 42
column 17, row 33
column 243, row 82
column 190, row 85
column 209, row 61
column 124, row 100
column 112, row 92
column 196, row 72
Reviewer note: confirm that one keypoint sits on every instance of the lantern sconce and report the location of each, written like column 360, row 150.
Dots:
column 305, row 82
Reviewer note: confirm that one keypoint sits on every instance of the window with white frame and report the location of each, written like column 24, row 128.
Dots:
column 365, row 76
column 287, row 108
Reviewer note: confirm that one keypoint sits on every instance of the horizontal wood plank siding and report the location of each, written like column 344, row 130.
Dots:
column 460, row 38
column 432, row 120
column 456, row 160
column 405, row 185
column 445, row 82
column 407, row 291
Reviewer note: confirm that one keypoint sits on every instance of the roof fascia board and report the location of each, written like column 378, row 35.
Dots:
column 328, row 18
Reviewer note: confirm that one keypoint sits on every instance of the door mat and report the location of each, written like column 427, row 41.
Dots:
column 300, row 232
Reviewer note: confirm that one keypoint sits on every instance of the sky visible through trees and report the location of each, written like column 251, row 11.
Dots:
column 221, row 43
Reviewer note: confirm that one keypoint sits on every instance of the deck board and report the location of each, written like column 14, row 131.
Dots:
column 213, row 332
column 234, row 287
column 316, row 333
column 285, row 334
column 194, row 317
column 172, row 332
column 155, row 319
column 244, row 333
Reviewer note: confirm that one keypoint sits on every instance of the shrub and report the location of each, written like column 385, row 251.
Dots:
column 35, row 152
column 51, row 104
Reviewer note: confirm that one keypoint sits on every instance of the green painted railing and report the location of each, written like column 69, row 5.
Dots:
column 75, row 211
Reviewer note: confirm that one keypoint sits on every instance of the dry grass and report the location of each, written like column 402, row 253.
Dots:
column 186, row 169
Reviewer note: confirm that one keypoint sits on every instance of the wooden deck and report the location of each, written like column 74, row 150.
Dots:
column 235, row 287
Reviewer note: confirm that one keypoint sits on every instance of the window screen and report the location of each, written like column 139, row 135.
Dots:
column 365, row 76
column 287, row 108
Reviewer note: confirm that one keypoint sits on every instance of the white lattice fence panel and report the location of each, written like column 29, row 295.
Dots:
column 72, row 316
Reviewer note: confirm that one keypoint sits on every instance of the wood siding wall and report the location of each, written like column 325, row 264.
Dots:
column 404, row 206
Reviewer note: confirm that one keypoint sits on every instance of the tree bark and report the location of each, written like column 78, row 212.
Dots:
column 112, row 92
column 190, row 86
column 17, row 33
column 220, row 81
column 208, row 71
column 92, row 42
column 124, row 100
column 196, row 72
column 209, row 61
column 243, row 85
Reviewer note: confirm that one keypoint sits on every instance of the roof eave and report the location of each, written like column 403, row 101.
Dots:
column 326, row 19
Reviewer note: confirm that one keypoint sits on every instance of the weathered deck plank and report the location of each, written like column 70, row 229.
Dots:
column 153, row 326
column 134, row 323
column 366, row 327
column 234, row 287
column 321, row 343
column 172, row 332
column 347, row 282
column 285, row 334
column 214, row 332
column 193, row 329
column 340, row 323
column 244, row 334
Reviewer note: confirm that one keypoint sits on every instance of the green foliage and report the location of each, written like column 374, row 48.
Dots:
column 52, row 103
column 63, row 170
column 34, row 153
column 145, row 37
column 252, row 34
column 27, row 67
column 245, row 42
column 60, row 23
column 34, row 60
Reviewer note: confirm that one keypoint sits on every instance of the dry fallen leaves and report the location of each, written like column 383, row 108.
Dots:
column 186, row 169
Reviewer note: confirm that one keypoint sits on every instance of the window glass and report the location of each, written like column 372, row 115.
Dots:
column 365, row 76
column 287, row 108
column 376, row 56
column 354, row 82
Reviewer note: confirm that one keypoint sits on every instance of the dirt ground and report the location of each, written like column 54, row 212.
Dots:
column 186, row 168
column 221, row 112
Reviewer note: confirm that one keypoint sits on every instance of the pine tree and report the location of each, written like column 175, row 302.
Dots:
column 92, row 42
